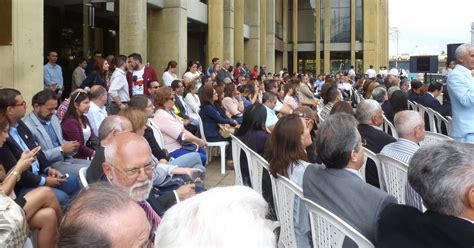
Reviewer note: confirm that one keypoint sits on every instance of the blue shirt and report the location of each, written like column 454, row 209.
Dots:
column 49, row 129
column 53, row 74
column 19, row 141
column 272, row 119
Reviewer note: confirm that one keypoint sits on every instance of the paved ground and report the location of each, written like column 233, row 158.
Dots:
column 214, row 177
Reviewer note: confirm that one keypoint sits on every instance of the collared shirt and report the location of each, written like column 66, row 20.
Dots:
column 355, row 172
column 50, row 130
column 326, row 110
column 466, row 219
column 272, row 119
column 377, row 127
column 19, row 141
column 53, row 74
column 403, row 150
column 119, row 86
column 96, row 115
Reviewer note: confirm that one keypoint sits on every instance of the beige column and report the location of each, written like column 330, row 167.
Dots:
column 384, row 33
column 215, row 31
column 85, row 27
column 370, row 33
column 26, row 55
column 285, row 33
column 99, row 40
column 238, row 31
column 353, row 34
column 168, row 36
column 295, row 36
column 327, row 36
column 270, row 46
column 252, row 45
column 133, row 27
column 317, row 31
column 263, row 31
column 229, row 30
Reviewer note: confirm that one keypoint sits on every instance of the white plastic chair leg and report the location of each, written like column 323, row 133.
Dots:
column 222, row 159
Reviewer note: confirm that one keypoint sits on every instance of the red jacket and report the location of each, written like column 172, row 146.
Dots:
column 148, row 75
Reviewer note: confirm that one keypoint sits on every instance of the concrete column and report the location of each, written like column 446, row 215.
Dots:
column 252, row 45
column 317, row 31
column 238, row 31
column 270, row 46
column 353, row 34
column 295, row 36
column 168, row 36
column 26, row 56
column 285, row 33
column 133, row 27
column 263, row 32
column 229, row 30
column 215, row 31
column 383, row 34
column 85, row 28
column 327, row 36
column 370, row 38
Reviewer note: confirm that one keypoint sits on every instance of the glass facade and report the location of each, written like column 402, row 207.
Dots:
column 340, row 21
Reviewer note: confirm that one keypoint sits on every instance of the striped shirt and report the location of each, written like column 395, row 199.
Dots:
column 403, row 150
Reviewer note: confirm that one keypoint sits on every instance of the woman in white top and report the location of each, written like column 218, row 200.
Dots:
column 192, row 74
column 287, row 158
column 170, row 73
column 192, row 100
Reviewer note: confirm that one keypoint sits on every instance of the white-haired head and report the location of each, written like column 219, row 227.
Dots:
column 221, row 217
column 410, row 125
column 367, row 111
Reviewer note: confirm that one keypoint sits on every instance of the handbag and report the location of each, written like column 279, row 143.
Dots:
column 225, row 131
column 189, row 146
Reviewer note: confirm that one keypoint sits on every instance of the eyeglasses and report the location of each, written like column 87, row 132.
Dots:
column 134, row 173
column 22, row 104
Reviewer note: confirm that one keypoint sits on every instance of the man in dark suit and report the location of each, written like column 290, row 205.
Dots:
column 337, row 185
column 414, row 94
column 21, row 139
column 178, row 90
column 443, row 174
column 429, row 99
column 370, row 117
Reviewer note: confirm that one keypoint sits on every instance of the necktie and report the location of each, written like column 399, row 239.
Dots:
column 151, row 215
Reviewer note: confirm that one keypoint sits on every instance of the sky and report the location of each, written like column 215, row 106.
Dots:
column 426, row 26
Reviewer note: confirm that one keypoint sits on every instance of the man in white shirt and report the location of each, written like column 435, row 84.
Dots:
column 352, row 72
column 269, row 100
column 97, row 111
column 371, row 72
column 383, row 71
column 119, row 90
column 394, row 72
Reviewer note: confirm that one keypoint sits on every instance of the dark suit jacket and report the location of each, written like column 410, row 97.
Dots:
column 180, row 105
column 429, row 101
column 412, row 96
column 376, row 140
column 159, row 202
column 347, row 196
column 405, row 226
column 10, row 152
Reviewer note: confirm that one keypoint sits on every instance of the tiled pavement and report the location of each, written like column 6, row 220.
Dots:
column 214, row 177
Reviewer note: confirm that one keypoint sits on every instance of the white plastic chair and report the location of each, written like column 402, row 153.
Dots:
column 210, row 145
column 389, row 128
column 440, row 120
column 82, row 176
column 237, row 147
column 369, row 154
column 431, row 137
column 156, row 132
column 284, row 193
column 411, row 106
column 256, row 170
column 431, row 120
column 328, row 230
column 395, row 176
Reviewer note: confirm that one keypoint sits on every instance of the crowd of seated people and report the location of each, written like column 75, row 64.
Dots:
column 141, row 143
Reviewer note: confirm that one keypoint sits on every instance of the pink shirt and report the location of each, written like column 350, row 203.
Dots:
column 232, row 106
column 170, row 127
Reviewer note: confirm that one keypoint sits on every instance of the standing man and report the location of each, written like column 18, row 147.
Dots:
column 119, row 89
column 461, row 92
column 97, row 111
column 352, row 72
column 224, row 72
column 79, row 74
column 53, row 74
column 139, row 76
column 371, row 73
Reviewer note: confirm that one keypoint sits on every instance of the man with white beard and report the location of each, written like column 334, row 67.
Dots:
column 129, row 165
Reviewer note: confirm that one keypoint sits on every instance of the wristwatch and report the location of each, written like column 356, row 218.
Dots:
column 61, row 149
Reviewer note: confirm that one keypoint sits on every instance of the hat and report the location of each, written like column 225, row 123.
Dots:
column 307, row 113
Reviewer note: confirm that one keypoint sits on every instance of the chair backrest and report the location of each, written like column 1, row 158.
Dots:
column 440, row 121
column 82, row 176
column 321, row 119
column 256, row 170
column 157, row 133
column 411, row 106
column 394, row 173
column 431, row 137
column 432, row 120
column 284, row 192
column 237, row 147
column 201, row 130
column 389, row 128
column 370, row 154
column 328, row 230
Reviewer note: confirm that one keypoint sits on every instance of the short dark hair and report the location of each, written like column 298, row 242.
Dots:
column 270, row 84
column 42, row 97
column 268, row 96
column 119, row 60
column 79, row 60
column 416, row 84
column 214, row 60
column 82, row 224
column 52, row 51
column 175, row 84
column 435, row 86
column 336, row 138
column 7, row 98
column 136, row 56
